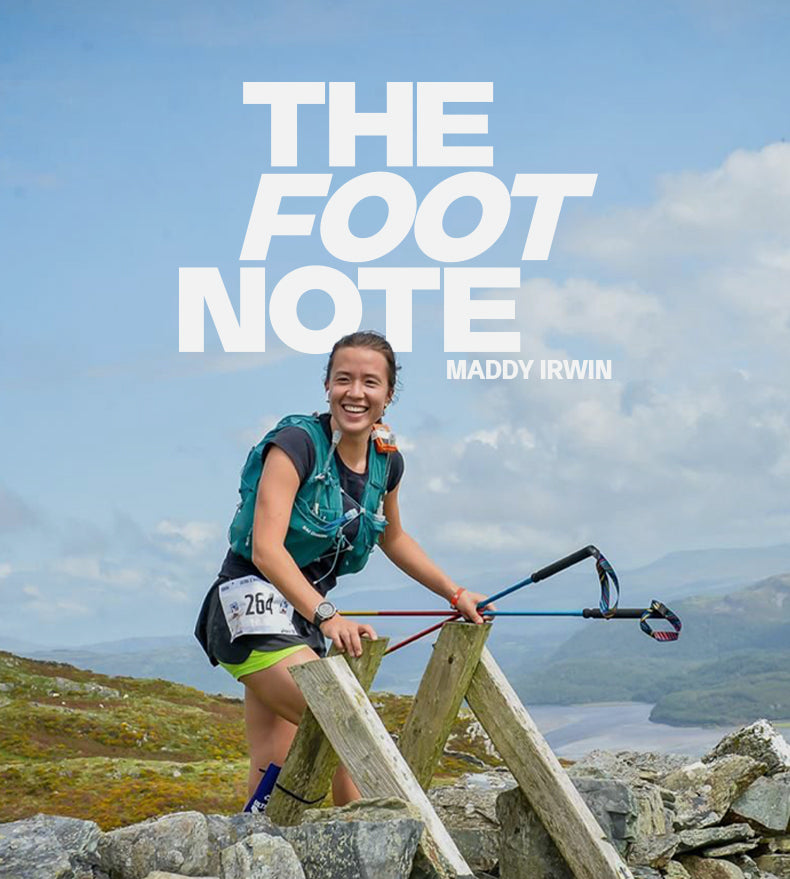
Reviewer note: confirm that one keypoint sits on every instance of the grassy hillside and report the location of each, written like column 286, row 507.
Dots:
column 729, row 666
column 117, row 750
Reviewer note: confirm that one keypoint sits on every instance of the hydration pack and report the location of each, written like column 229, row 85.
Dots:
column 318, row 519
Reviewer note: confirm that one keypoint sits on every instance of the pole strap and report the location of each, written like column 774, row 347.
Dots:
column 606, row 574
column 657, row 610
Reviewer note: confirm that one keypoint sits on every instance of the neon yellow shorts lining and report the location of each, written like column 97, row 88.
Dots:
column 260, row 659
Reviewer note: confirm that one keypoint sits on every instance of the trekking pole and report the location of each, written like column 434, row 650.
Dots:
column 602, row 566
column 657, row 610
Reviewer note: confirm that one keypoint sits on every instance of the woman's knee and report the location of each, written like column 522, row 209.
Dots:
column 275, row 689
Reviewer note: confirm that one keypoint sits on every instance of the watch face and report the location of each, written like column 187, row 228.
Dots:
column 325, row 610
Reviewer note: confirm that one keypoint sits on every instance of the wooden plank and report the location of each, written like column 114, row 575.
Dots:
column 441, row 691
column 311, row 761
column 357, row 734
column 544, row 782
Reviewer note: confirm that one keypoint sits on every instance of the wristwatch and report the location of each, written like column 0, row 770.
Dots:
column 325, row 611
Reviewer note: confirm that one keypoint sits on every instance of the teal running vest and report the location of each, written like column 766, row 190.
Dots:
column 317, row 519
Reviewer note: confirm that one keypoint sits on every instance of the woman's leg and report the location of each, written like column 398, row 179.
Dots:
column 273, row 706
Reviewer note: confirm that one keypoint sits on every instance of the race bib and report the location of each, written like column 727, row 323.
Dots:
column 254, row 607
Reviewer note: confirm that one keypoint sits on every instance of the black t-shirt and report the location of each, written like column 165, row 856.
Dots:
column 296, row 443
column 212, row 630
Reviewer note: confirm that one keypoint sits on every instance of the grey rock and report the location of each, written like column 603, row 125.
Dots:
column 226, row 830
column 778, row 864
column 378, row 809
column 470, row 817
column 526, row 849
column 160, row 874
column 177, row 843
column 704, row 868
column 48, row 847
column 497, row 779
column 758, row 740
column 766, row 802
column 749, row 868
column 653, row 819
column 778, row 843
column 61, row 686
column 629, row 765
column 706, row 836
column 367, row 838
column 653, row 851
column 705, row 791
column 642, row 872
column 676, row 870
column 725, row 851
column 614, row 807
column 261, row 856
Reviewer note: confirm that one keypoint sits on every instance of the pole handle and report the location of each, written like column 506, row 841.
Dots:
column 622, row 613
column 573, row 559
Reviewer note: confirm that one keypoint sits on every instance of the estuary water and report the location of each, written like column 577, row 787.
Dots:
column 575, row 730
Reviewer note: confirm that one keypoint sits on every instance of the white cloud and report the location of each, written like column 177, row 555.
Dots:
column 79, row 567
column 86, row 567
column 688, row 444
column 46, row 606
column 730, row 211
column 716, row 243
column 251, row 436
column 5, row 570
column 188, row 538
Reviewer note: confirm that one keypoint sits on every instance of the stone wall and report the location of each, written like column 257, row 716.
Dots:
column 722, row 817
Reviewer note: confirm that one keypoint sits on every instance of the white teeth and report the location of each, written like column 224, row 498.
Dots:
column 354, row 409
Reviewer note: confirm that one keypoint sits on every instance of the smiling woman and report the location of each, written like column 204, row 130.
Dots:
column 318, row 492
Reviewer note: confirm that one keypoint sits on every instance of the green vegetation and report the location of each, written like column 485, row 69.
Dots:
column 731, row 664
column 740, row 701
column 118, row 750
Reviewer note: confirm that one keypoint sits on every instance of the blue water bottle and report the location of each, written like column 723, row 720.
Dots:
column 260, row 798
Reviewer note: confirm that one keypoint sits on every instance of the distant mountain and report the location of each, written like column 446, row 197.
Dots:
column 523, row 647
column 178, row 659
column 731, row 664
column 18, row 645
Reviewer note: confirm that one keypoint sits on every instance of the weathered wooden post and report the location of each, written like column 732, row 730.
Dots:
column 340, row 721
column 311, row 762
column 367, row 751
column 441, row 691
column 544, row 782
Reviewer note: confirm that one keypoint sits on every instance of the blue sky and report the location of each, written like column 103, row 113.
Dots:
column 126, row 152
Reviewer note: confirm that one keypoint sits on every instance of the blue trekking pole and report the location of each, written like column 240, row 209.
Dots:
column 604, row 570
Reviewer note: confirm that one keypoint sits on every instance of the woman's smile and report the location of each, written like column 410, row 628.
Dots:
column 358, row 389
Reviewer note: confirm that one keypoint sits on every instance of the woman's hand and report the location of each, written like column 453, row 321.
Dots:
column 347, row 634
column 467, row 605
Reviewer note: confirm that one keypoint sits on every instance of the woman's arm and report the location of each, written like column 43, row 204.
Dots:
column 404, row 551
column 274, row 502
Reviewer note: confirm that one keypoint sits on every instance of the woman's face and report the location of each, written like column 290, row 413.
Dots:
column 358, row 389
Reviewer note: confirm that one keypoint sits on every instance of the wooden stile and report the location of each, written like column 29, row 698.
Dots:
column 312, row 761
column 544, row 782
column 363, row 744
column 441, row 691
